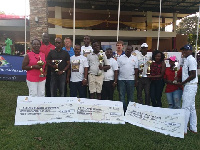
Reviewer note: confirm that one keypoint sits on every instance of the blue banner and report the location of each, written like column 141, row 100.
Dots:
column 11, row 68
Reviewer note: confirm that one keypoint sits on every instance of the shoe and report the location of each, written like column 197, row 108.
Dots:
column 192, row 131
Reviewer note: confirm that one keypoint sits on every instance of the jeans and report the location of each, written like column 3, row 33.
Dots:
column 174, row 99
column 107, row 90
column 156, row 89
column 78, row 87
column 143, row 83
column 57, row 82
column 126, row 86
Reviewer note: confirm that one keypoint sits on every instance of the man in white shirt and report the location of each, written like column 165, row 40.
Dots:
column 119, row 52
column 86, row 49
column 143, row 80
column 97, row 64
column 79, row 73
column 190, row 80
column 110, row 77
column 128, row 75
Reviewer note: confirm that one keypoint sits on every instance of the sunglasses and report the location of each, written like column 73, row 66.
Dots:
column 57, row 42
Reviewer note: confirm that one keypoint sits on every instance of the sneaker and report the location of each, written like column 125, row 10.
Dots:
column 192, row 131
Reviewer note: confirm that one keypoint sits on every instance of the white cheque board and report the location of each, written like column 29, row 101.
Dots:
column 40, row 110
column 163, row 120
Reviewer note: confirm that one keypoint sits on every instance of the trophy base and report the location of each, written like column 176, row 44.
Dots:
column 42, row 76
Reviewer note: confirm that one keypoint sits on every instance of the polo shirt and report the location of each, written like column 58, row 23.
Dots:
column 170, row 75
column 93, row 62
column 71, row 51
column 116, row 55
column 189, row 65
column 59, row 55
column 46, row 48
column 78, row 63
column 127, row 67
column 109, row 74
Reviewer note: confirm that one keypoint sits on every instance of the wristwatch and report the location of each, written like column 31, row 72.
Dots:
column 63, row 71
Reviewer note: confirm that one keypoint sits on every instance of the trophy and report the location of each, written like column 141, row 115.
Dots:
column 100, row 55
column 166, row 55
column 141, row 68
column 175, row 68
column 148, row 67
column 57, row 62
column 41, row 63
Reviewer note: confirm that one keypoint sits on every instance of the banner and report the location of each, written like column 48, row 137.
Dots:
column 40, row 110
column 11, row 68
column 163, row 120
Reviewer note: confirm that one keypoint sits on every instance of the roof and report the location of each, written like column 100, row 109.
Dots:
column 168, row 6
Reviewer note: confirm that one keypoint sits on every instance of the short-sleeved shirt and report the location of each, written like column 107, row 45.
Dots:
column 127, row 66
column 143, row 60
column 58, row 55
column 156, row 69
column 71, row 51
column 78, row 63
column 109, row 74
column 8, row 43
column 189, row 65
column 115, row 55
column 46, row 48
column 86, row 50
column 170, row 75
column 93, row 62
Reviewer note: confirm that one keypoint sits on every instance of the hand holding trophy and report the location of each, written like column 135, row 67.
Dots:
column 100, row 55
column 175, row 68
column 41, row 63
column 141, row 69
column 149, row 67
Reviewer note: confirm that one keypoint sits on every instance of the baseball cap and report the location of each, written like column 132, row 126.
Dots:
column 172, row 58
column 187, row 47
column 144, row 45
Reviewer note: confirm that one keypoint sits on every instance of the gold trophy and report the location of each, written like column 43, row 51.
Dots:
column 41, row 63
column 149, row 67
column 141, row 68
column 166, row 55
column 57, row 62
column 175, row 68
column 100, row 55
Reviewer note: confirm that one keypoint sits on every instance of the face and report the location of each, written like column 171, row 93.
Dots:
column 186, row 53
column 158, row 57
column 109, row 53
column 36, row 45
column 119, row 46
column 77, row 50
column 86, row 40
column 128, row 50
column 45, row 38
column 58, row 43
column 172, row 63
column 96, row 47
column 68, row 43
column 144, row 51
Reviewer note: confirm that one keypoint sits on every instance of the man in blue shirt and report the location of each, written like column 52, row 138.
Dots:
column 68, row 48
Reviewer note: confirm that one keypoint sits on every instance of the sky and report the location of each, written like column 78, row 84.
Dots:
column 16, row 7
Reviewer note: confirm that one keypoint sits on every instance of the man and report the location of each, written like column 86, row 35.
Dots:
column 110, row 77
column 59, row 61
column 97, row 64
column 86, row 49
column 190, row 80
column 8, row 45
column 46, row 46
column 68, row 48
column 79, row 73
column 128, row 76
column 119, row 50
column 143, row 80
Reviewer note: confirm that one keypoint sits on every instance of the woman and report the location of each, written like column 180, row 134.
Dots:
column 156, row 75
column 173, row 91
column 35, row 75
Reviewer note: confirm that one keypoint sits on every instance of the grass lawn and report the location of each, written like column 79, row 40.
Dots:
column 81, row 135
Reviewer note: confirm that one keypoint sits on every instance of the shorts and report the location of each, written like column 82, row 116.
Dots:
column 95, row 83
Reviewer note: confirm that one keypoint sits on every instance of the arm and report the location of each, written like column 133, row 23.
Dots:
column 116, row 72
column 68, row 74
column 136, row 76
column 84, row 81
column 26, row 62
column 191, row 77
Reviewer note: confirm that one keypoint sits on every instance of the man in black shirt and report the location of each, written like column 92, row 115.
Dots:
column 59, row 61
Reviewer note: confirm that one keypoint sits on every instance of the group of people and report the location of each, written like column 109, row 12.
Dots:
column 88, row 70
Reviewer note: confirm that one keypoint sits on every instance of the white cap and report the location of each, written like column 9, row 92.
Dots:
column 144, row 45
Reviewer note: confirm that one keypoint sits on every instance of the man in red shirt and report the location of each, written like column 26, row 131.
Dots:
column 46, row 46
